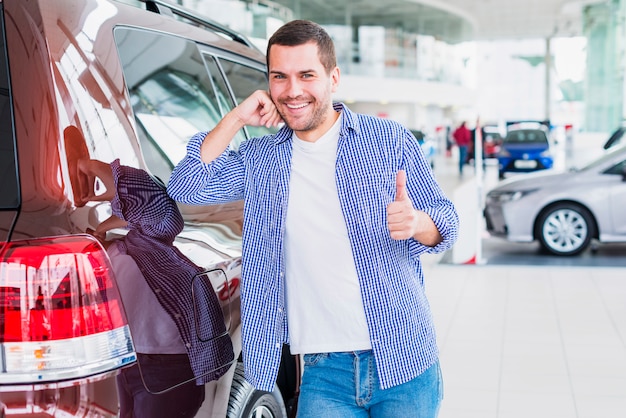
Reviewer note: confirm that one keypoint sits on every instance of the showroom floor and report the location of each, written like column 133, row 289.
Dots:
column 525, row 341
column 528, row 341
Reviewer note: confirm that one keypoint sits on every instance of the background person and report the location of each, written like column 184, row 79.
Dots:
column 463, row 138
column 338, row 207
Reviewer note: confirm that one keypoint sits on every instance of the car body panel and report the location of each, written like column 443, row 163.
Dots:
column 602, row 193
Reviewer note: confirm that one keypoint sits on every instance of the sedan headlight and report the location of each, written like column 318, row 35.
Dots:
column 546, row 153
column 505, row 196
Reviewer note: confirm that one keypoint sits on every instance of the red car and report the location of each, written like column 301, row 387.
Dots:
column 105, row 80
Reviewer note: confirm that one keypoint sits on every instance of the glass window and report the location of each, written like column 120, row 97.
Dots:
column 223, row 95
column 172, row 94
column 619, row 169
column 244, row 81
column 526, row 136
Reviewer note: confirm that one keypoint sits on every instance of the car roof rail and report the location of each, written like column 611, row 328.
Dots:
column 166, row 8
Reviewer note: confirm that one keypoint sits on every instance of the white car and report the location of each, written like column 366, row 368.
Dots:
column 563, row 211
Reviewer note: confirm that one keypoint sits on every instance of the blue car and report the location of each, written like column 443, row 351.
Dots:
column 524, row 150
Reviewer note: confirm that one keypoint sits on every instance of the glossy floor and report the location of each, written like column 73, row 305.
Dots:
column 528, row 341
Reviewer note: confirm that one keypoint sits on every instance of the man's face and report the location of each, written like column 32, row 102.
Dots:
column 301, row 89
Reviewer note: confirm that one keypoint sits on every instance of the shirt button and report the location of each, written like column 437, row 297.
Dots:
column 188, row 345
column 281, row 274
column 277, row 345
column 280, row 310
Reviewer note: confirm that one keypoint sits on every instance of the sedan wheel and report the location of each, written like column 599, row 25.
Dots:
column 565, row 229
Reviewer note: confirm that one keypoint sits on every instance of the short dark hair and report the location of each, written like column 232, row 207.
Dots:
column 300, row 32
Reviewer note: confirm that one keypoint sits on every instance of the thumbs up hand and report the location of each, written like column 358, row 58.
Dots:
column 402, row 218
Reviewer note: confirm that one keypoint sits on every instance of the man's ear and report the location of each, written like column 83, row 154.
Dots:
column 334, row 79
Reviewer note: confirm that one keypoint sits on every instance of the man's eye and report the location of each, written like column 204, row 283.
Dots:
column 278, row 76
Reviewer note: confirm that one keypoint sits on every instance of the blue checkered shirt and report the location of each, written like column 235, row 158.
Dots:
column 370, row 152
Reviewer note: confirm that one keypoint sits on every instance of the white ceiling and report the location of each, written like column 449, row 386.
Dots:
column 452, row 20
column 498, row 19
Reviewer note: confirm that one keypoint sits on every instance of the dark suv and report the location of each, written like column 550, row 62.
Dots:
column 107, row 80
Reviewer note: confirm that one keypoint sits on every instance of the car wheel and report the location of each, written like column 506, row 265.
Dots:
column 565, row 229
column 247, row 402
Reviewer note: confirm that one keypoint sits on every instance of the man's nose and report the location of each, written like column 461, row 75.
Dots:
column 294, row 87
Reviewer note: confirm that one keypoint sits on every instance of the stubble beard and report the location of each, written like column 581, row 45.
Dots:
column 304, row 124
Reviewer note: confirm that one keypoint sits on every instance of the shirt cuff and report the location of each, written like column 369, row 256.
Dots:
column 194, row 151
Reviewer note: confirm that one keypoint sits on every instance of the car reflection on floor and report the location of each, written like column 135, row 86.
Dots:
column 499, row 252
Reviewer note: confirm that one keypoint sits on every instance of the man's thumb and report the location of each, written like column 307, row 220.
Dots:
column 401, row 193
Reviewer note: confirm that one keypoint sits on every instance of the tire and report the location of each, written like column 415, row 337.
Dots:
column 247, row 402
column 565, row 229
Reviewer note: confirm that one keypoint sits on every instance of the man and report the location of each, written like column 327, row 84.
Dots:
column 463, row 137
column 337, row 209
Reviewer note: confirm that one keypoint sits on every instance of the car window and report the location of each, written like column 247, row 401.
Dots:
column 526, row 136
column 244, row 81
column 223, row 94
column 619, row 169
column 175, row 92
column 9, row 184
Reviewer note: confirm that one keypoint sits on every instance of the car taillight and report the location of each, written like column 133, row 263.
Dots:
column 60, row 310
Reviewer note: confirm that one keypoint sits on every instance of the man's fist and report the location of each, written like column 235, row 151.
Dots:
column 401, row 217
column 258, row 110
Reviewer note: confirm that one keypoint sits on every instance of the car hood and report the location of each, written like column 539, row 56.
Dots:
column 535, row 180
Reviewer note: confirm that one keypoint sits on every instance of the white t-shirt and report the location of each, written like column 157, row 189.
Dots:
column 324, row 305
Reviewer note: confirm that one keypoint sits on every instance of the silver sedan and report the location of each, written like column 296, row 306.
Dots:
column 563, row 211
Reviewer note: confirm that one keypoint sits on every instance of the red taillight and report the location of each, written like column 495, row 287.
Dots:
column 61, row 311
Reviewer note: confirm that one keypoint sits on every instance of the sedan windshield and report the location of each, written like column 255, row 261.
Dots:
column 526, row 136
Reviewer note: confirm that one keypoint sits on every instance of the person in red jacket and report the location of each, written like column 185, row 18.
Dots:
column 463, row 137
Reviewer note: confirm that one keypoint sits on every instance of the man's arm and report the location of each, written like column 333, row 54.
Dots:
column 256, row 110
column 193, row 179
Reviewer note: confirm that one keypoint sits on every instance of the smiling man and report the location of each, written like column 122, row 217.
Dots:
column 338, row 208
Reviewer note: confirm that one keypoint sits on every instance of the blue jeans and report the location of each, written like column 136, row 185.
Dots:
column 463, row 150
column 344, row 385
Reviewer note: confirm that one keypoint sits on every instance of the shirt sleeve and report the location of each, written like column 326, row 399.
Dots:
column 195, row 182
column 427, row 196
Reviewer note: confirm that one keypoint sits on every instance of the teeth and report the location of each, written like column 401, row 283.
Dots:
column 300, row 106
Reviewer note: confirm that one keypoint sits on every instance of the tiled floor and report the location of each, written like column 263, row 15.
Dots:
column 521, row 341
column 532, row 342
